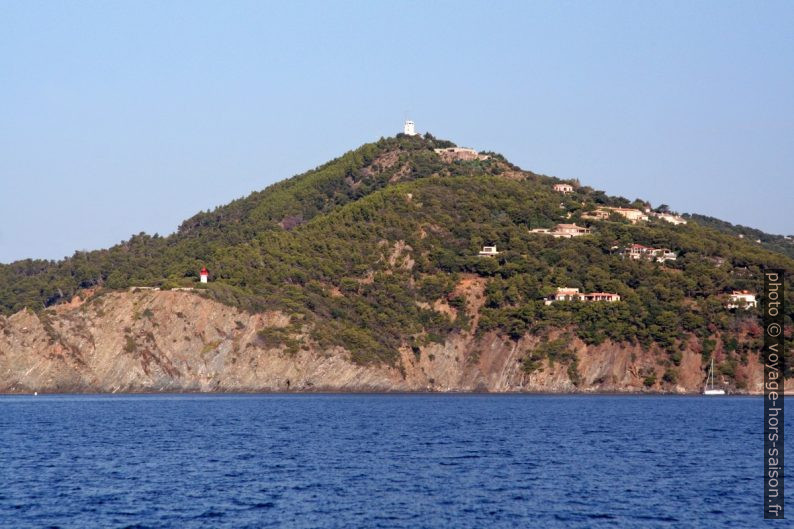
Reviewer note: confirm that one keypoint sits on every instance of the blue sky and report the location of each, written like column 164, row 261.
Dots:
column 122, row 117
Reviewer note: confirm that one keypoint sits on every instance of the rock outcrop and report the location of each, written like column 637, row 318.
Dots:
column 175, row 341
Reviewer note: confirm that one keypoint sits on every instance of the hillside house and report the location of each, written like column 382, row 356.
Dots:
column 563, row 188
column 450, row 154
column 204, row 275
column 564, row 231
column 633, row 215
column 638, row 251
column 602, row 296
column 741, row 299
column 669, row 217
column 666, row 255
column 573, row 294
column 599, row 214
column 488, row 251
column 564, row 294
column 570, row 230
column 716, row 261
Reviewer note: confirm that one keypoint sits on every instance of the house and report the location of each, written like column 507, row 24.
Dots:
column 488, row 251
column 599, row 214
column 669, row 217
column 716, row 261
column 450, row 154
column 564, row 294
column 204, row 275
column 665, row 255
column 573, row 294
column 603, row 213
column 602, row 296
column 638, row 251
column 565, row 231
column 563, row 188
column 741, row 299
column 633, row 215
column 570, row 230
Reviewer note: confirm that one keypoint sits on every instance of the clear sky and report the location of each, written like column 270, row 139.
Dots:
column 122, row 117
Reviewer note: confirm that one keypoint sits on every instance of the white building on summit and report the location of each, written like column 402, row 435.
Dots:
column 408, row 128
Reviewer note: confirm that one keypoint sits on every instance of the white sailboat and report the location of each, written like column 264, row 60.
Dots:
column 710, row 390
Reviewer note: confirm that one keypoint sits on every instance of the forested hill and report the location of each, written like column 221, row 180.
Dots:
column 358, row 252
column 777, row 243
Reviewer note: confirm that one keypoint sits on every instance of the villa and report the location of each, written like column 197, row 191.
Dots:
column 565, row 231
column 488, row 251
column 563, row 188
column 573, row 294
column 669, row 217
column 602, row 296
column 638, row 251
column 633, row 215
column 741, row 299
column 564, row 294
column 599, row 214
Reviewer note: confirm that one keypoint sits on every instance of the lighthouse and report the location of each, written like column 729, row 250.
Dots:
column 204, row 274
column 408, row 128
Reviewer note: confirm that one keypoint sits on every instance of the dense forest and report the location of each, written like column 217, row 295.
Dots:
column 357, row 250
column 777, row 243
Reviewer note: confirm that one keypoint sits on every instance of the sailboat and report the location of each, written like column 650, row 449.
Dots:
column 710, row 390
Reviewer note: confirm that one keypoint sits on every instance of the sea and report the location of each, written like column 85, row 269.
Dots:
column 382, row 461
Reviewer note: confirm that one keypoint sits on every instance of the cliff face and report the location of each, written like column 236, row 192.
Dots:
column 151, row 341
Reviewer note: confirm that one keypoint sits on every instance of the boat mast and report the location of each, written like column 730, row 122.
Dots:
column 711, row 372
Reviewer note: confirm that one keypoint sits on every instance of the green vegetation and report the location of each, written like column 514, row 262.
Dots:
column 209, row 347
column 776, row 243
column 130, row 346
column 358, row 250
column 552, row 352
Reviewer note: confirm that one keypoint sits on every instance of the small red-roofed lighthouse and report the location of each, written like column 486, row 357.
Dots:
column 204, row 274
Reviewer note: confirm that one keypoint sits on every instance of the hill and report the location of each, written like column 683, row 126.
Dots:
column 376, row 252
column 777, row 243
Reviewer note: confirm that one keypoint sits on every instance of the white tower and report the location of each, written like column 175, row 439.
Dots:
column 408, row 129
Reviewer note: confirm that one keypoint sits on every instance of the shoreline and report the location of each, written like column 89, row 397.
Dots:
column 377, row 393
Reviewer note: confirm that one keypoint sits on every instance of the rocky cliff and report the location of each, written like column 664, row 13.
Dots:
column 152, row 341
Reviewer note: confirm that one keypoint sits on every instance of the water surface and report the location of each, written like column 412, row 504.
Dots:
column 344, row 461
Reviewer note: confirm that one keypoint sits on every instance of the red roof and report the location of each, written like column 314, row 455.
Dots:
column 204, row 271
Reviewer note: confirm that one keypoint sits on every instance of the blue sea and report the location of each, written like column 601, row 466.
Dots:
column 390, row 461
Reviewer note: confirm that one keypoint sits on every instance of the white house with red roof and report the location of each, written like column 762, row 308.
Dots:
column 204, row 275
